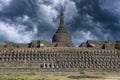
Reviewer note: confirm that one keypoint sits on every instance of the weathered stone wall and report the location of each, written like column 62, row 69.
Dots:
column 59, row 59
column 33, row 44
column 12, row 45
column 100, row 44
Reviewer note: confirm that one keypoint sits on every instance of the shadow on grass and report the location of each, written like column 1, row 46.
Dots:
column 81, row 77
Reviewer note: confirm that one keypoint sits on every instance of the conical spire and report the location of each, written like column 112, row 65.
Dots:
column 62, row 28
column 62, row 19
column 62, row 37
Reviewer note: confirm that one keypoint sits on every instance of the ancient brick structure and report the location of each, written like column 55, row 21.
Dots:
column 59, row 59
column 62, row 37
column 101, row 44
column 60, row 55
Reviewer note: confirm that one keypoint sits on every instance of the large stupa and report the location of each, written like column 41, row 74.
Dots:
column 62, row 37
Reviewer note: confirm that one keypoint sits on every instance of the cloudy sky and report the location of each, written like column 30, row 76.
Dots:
column 25, row 20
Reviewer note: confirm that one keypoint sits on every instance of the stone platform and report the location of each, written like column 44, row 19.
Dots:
column 61, row 59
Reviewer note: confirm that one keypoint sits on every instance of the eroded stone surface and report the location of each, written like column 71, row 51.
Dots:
column 59, row 59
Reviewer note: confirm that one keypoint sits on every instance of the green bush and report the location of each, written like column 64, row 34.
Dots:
column 84, row 73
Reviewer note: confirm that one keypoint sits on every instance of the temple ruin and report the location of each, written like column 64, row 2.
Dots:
column 60, row 55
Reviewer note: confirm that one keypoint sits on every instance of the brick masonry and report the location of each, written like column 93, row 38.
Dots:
column 60, row 55
column 59, row 59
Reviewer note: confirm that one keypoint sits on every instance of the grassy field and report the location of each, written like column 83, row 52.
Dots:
column 60, row 76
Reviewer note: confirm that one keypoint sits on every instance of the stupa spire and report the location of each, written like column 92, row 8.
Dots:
column 62, row 28
column 62, row 38
column 62, row 18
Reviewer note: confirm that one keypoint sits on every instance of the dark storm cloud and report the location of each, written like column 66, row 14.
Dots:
column 39, row 19
column 18, row 8
column 100, row 18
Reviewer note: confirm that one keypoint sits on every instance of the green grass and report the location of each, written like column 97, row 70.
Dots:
column 84, row 73
column 32, row 73
column 100, row 73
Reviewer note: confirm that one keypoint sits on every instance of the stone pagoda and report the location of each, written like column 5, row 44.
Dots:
column 62, row 38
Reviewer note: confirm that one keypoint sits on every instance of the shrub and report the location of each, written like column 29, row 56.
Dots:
column 84, row 73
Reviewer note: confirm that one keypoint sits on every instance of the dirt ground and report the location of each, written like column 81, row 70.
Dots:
column 60, row 76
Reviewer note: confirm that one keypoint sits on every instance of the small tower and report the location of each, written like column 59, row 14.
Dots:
column 62, row 38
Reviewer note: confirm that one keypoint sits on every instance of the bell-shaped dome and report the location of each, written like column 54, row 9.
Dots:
column 62, row 37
